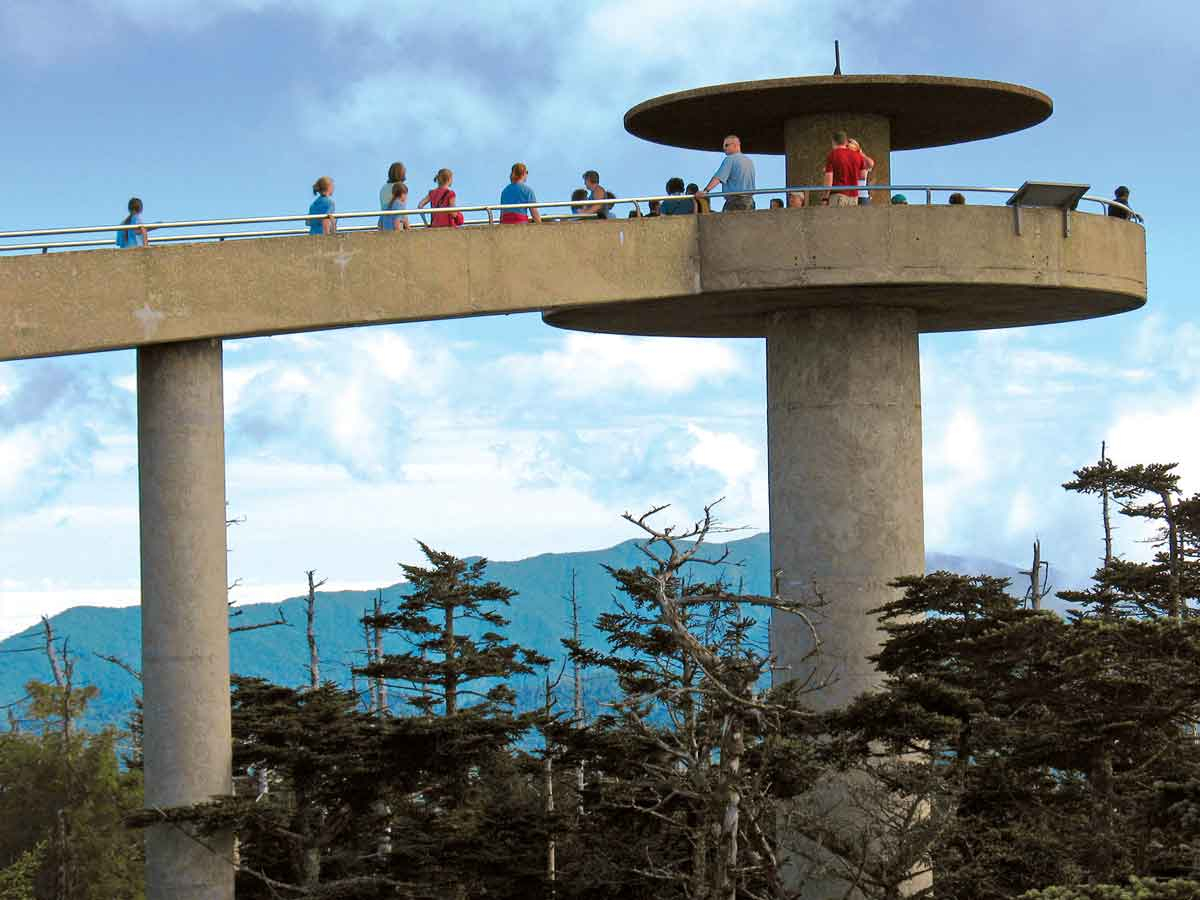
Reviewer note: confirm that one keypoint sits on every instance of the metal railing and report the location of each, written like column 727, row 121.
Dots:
column 490, row 210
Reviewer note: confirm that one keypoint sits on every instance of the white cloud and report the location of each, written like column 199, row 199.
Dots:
column 1173, row 347
column 1163, row 431
column 236, row 379
column 961, row 448
column 454, row 115
column 18, row 452
column 1022, row 514
column 391, row 355
column 20, row 609
column 724, row 453
column 587, row 364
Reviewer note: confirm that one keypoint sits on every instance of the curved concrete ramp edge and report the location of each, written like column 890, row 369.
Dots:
column 961, row 267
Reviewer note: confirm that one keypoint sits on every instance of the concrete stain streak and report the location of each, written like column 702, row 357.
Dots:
column 149, row 318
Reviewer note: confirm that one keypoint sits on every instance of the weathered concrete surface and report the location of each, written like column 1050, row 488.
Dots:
column 111, row 299
column 844, row 450
column 810, row 138
column 959, row 267
column 925, row 110
column 185, row 620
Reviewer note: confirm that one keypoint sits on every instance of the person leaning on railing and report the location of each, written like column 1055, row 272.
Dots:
column 596, row 191
column 517, row 191
column 323, row 206
column 132, row 237
column 1121, row 195
column 442, row 196
column 398, row 201
column 396, row 172
column 683, row 206
column 736, row 173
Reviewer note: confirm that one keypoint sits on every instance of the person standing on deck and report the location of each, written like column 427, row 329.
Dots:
column 517, row 191
column 736, row 173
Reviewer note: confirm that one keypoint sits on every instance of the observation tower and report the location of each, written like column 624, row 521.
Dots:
column 840, row 294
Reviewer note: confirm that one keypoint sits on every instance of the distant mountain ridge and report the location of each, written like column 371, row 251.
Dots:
column 538, row 613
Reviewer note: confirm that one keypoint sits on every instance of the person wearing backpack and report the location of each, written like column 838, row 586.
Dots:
column 441, row 197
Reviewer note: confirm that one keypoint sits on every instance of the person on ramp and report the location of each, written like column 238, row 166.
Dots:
column 736, row 173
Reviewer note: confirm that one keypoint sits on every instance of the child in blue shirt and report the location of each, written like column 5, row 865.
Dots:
column 322, row 206
column 132, row 237
column 398, row 201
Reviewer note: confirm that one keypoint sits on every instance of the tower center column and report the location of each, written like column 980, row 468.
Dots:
column 185, row 621
column 844, row 445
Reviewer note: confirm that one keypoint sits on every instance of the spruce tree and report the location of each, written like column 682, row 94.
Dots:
column 1063, row 748
column 1169, row 584
column 455, row 680
column 459, row 658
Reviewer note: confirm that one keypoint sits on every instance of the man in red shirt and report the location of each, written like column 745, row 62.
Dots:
column 844, row 166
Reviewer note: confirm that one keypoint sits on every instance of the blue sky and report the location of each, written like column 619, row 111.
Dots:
column 503, row 436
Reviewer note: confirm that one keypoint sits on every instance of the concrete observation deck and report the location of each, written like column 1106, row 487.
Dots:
column 959, row 267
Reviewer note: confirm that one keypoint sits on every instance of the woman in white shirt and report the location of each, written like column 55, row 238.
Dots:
column 395, row 173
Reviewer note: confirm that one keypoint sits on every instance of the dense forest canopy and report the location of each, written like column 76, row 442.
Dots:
column 1010, row 751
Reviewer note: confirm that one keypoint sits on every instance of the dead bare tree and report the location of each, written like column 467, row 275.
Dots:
column 310, row 611
column 722, row 670
column 51, row 654
column 279, row 619
column 380, row 684
column 580, row 715
column 1038, row 574
column 1105, row 491
column 373, row 704
column 62, row 699
column 548, row 701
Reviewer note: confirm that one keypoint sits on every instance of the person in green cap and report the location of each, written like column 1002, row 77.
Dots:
column 899, row 200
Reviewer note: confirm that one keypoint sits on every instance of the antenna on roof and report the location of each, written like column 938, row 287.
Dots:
column 837, row 59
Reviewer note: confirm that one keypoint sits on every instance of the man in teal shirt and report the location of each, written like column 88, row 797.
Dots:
column 736, row 173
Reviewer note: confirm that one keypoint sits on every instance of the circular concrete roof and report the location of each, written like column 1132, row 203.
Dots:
column 925, row 110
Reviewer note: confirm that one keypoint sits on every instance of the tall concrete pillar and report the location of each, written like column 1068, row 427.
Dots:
column 185, row 624
column 844, row 445
column 808, row 140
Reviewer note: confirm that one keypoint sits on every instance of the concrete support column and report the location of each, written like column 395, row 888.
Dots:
column 844, row 444
column 808, row 140
column 185, row 624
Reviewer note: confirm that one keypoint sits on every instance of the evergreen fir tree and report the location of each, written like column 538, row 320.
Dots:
column 456, row 682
